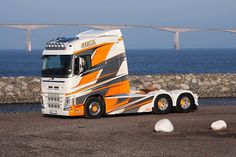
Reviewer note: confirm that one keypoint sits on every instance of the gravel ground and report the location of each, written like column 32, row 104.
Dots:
column 31, row 134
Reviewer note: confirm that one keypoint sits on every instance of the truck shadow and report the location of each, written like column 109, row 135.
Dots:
column 111, row 116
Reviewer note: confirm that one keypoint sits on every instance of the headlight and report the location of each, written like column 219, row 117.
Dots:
column 68, row 103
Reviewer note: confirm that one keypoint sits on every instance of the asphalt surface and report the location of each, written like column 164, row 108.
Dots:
column 31, row 134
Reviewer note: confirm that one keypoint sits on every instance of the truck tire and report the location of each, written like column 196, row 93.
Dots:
column 94, row 107
column 162, row 104
column 185, row 103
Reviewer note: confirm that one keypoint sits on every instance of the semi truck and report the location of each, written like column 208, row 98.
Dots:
column 88, row 76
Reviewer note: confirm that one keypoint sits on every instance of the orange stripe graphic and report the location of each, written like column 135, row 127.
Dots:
column 90, row 86
column 112, row 107
column 88, row 78
column 121, row 88
column 101, row 54
column 138, row 105
column 77, row 110
column 115, row 84
column 110, row 102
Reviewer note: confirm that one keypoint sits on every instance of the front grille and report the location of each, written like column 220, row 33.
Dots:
column 53, row 97
column 54, row 105
column 55, row 101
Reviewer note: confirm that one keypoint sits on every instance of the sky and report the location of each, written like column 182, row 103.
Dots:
column 183, row 13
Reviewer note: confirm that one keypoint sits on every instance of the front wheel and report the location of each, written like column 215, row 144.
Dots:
column 162, row 104
column 185, row 103
column 94, row 107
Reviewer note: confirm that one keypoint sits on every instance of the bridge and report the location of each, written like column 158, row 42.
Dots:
column 176, row 30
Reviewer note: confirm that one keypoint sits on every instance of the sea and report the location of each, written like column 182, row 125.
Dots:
column 140, row 61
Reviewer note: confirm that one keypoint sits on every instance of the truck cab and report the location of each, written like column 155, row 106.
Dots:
column 88, row 76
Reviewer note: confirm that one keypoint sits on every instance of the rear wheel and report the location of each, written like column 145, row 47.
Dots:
column 94, row 107
column 162, row 104
column 185, row 103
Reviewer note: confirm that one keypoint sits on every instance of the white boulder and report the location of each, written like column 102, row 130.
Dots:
column 163, row 125
column 218, row 125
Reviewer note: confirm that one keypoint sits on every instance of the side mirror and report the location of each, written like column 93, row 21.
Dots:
column 78, row 68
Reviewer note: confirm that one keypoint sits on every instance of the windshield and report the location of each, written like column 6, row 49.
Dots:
column 57, row 65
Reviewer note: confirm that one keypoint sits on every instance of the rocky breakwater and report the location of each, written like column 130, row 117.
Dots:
column 205, row 85
column 20, row 89
column 27, row 89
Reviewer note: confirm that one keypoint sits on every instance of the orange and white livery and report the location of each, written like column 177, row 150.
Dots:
column 88, row 76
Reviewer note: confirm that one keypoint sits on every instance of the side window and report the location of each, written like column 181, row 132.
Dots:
column 85, row 62
column 82, row 64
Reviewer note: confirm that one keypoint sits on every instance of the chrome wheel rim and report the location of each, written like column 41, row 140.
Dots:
column 185, row 102
column 94, row 108
column 162, row 104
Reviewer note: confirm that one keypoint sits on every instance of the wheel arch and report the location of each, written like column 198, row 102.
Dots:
column 176, row 93
column 158, row 93
column 99, row 95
